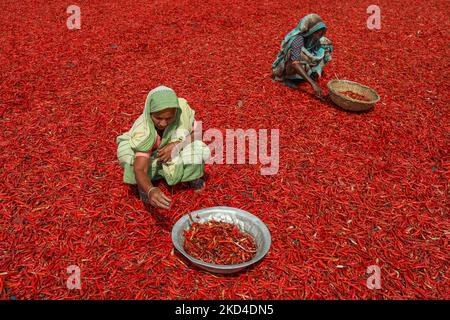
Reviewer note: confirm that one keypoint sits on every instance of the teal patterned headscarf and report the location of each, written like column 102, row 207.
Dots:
column 306, row 27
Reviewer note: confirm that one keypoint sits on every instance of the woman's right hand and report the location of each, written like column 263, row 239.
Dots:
column 317, row 91
column 158, row 199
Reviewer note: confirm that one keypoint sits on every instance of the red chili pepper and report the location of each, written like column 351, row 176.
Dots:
column 355, row 95
column 219, row 243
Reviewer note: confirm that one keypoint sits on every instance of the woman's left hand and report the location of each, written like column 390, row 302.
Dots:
column 165, row 153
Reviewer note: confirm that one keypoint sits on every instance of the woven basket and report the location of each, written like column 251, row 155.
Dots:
column 348, row 103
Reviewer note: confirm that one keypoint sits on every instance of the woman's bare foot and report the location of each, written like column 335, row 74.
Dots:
column 198, row 185
column 291, row 84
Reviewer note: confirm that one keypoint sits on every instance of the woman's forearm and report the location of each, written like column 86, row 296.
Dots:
column 301, row 72
column 143, row 180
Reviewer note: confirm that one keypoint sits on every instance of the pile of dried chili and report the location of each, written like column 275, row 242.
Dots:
column 355, row 96
column 219, row 243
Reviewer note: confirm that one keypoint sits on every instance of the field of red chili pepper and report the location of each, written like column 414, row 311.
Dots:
column 353, row 190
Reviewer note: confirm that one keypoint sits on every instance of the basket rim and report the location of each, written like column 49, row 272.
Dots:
column 330, row 83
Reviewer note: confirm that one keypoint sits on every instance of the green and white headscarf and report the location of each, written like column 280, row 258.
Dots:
column 142, row 135
column 159, row 99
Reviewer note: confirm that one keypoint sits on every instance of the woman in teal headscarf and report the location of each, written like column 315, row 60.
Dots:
column 162, row 144
column 303, row 53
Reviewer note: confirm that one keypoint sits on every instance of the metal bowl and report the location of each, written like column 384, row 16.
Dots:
column 348, row 103
column 245, row 221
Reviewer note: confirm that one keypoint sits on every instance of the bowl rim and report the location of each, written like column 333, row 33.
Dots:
column 224, row 267
column 330, row 83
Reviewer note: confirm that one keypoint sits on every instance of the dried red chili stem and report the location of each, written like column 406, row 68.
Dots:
column 245, row 249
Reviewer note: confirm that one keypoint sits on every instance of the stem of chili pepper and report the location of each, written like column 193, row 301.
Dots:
column 190, row 218
column 251, row 251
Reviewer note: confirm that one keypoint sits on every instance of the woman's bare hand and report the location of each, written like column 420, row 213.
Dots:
column 318, row 91
column 165, row 153
column 158, row 199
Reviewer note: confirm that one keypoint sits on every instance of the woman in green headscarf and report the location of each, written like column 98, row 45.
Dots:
column 162, row 144
column 304, row 51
